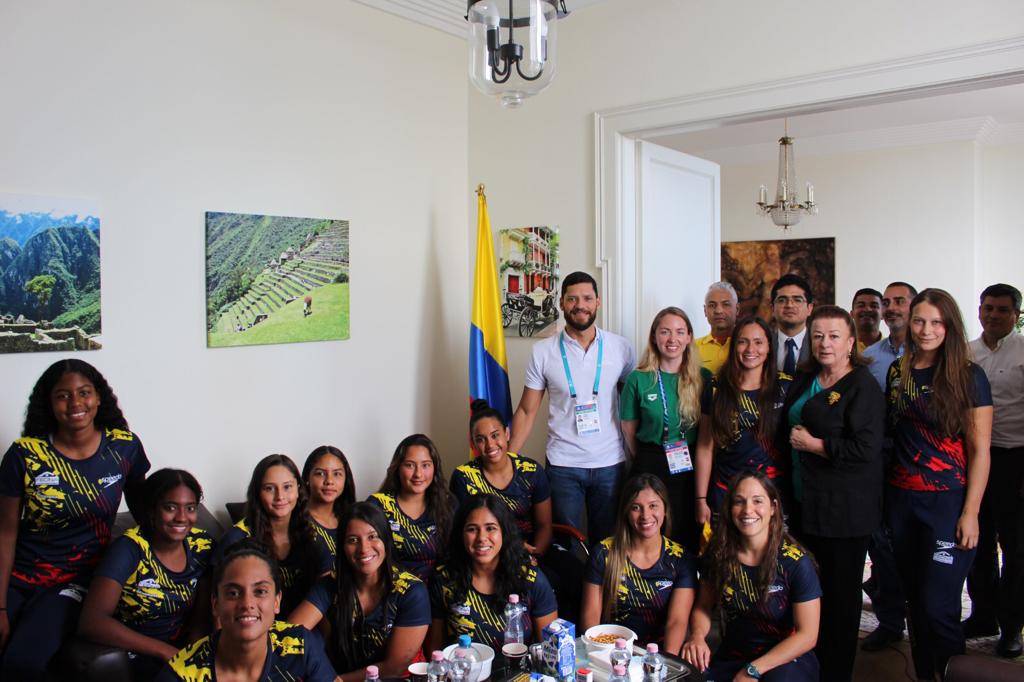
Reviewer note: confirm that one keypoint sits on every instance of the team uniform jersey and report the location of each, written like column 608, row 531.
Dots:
column 406, row 605
column 326, row 540
column 925, row 459
column 155, row 601
column 68, row 505
column 753, row 626
column 745, row 451
column 528, row 487
column 641, row 402
column 642, row 596
column 416, row 541
column 482, row 616
column 293, row 655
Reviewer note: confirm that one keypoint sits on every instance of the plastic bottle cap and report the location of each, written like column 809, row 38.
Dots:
column 620, row 643
column 555, row 627
column 372, row 671
column 513, row 599
column 437, row 656
column 652, row 648
column 619, row 670
column 465, row 640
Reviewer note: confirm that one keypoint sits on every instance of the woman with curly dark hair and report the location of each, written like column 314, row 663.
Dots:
column 767, row 587
column 330, row 490
column 377, row 613
column 60, row 487
column 275, row 516
column 415, row 499
column 487, row 561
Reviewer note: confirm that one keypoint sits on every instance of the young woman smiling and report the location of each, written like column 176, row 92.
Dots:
column 60, row 487
column 767, row 588
column 486, row 563
column 415, row 499
column 275, row 516
column 638, row 577
column 144, row 595
column 251, row 645
column 328, row 478
column 660, row 410
column 518, row 481
column 739, row 417
column 376, row 613
column 940, row 416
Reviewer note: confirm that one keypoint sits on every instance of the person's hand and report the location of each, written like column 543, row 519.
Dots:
column 530, row 549
column 5, row 630
column 697, row 653
column 742, row 676
column 801, row 439
column 168, row 652
column 967, row 531
column 703, row 511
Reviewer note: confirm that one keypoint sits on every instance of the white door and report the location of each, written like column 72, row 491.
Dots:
column 672, row 251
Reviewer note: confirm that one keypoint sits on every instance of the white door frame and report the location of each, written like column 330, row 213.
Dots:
column 616, row 130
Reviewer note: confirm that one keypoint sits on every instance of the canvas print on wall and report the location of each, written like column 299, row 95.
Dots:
column 49, row 274
column 528, row 273
column 753, row 267
column 271, row 279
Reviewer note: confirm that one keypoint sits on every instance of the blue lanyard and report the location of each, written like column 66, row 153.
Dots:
column 568, row 372
column 664, row 408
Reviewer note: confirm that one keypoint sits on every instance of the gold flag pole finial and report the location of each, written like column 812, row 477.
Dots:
column 480, row 189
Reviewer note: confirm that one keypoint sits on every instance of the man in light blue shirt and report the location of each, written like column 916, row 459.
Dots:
column 896, row 312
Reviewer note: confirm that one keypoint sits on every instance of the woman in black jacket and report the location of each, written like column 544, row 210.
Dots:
column 834, row 423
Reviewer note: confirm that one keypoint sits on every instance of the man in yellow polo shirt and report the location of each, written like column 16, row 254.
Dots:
column 720, row 309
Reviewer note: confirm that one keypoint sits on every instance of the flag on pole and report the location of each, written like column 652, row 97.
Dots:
column 488, row 366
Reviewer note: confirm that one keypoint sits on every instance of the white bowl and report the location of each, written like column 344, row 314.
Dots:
column 418, row 669
column 609, row 629
column 481, row 669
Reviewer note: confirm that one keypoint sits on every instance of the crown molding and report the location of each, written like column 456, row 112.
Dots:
column 444, row 15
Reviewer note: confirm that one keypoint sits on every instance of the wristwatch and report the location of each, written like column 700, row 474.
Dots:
column 753, row 672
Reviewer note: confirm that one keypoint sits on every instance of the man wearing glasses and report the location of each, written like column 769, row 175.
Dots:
column 792, row 301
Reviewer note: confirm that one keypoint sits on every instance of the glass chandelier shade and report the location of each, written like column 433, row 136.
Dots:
column 786, row 210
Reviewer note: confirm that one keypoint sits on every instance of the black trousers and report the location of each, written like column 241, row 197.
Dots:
column 994, row 595
column 841, row 570
column 651, row 459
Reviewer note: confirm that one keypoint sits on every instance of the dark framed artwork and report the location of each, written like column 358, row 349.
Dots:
column 753, row 267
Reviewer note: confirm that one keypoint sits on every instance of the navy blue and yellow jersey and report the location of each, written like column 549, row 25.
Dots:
column 529, row 486
column 294, row 580
column 745, row 451
column 642, row 596
column 417, row 543
column 155, row 601
column 68, row 505
column 482, row 616
column 752, row 625
column 294, row 654
column 924, row 457
column 326, row 540
column 406, row 605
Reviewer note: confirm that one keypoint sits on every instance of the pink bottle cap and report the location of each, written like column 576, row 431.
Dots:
column 620, row 643
column 652, row 648
column 437, row 656
column 619, row 670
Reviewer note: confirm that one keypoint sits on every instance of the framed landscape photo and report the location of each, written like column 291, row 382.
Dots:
column 753, row 267
column 274, row 279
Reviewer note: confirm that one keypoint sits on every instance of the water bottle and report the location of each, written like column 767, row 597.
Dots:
column 466, row 647
column 514, row 631
column 461, row 666
column 437, row 669
column 654, row 664
column 372, row 673
column 620, row 655
column 619, row 674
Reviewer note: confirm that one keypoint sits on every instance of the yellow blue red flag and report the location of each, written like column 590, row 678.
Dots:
column 488, row 366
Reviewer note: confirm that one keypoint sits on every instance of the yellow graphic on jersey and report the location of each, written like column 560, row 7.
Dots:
column 45, row 472
column 194, row 663
column 406, row 527
column 286, row 639
column 146, row 590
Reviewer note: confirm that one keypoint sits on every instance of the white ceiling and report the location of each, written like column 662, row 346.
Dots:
column 447, row 15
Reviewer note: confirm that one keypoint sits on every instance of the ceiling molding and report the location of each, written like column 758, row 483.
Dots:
column 444, row 15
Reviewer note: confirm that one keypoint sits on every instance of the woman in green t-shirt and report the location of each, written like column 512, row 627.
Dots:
column 660, row 410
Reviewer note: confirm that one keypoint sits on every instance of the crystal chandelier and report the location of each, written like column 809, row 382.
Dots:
column 512, row 46
column 786, row 210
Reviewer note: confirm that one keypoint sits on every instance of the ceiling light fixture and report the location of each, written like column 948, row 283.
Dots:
column 786, row 211
column 511, row 70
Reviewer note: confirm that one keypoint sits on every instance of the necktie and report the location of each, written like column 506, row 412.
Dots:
column 789, row 365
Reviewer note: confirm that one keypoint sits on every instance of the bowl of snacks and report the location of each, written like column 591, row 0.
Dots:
column 601, row 637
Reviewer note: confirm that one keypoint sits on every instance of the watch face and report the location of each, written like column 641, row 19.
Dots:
column 752, row 671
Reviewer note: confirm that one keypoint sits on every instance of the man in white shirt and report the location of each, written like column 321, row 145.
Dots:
column 1000, row 599
column 581, row 369
column 792, row 302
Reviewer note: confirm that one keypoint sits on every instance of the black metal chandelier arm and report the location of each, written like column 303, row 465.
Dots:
column 528, row 78
column 501, row 76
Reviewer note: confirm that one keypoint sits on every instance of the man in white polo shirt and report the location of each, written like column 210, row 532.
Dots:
column 1000, row 599
column 581, row 369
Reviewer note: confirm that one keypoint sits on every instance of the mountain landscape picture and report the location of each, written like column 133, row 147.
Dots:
column 274, row 279
column 49, row 274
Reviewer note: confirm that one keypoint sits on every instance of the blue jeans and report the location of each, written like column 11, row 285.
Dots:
column 596, row 491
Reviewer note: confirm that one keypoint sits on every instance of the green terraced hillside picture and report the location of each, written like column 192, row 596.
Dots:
column 273, row 279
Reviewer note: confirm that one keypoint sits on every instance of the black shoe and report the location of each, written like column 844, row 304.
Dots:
column 974, row 628
column 880, row 639
column 1010, row 645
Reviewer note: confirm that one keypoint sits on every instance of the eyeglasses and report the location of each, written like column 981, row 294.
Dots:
column 786, row 300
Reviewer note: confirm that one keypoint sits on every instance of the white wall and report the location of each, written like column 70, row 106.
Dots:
column 1001, row 237
column 317, row 108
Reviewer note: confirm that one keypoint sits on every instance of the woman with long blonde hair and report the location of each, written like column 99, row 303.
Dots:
column 660, row 411
column 628, row 573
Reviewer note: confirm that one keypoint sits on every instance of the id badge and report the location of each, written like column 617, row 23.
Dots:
column 587, row 421
column 678, row 455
